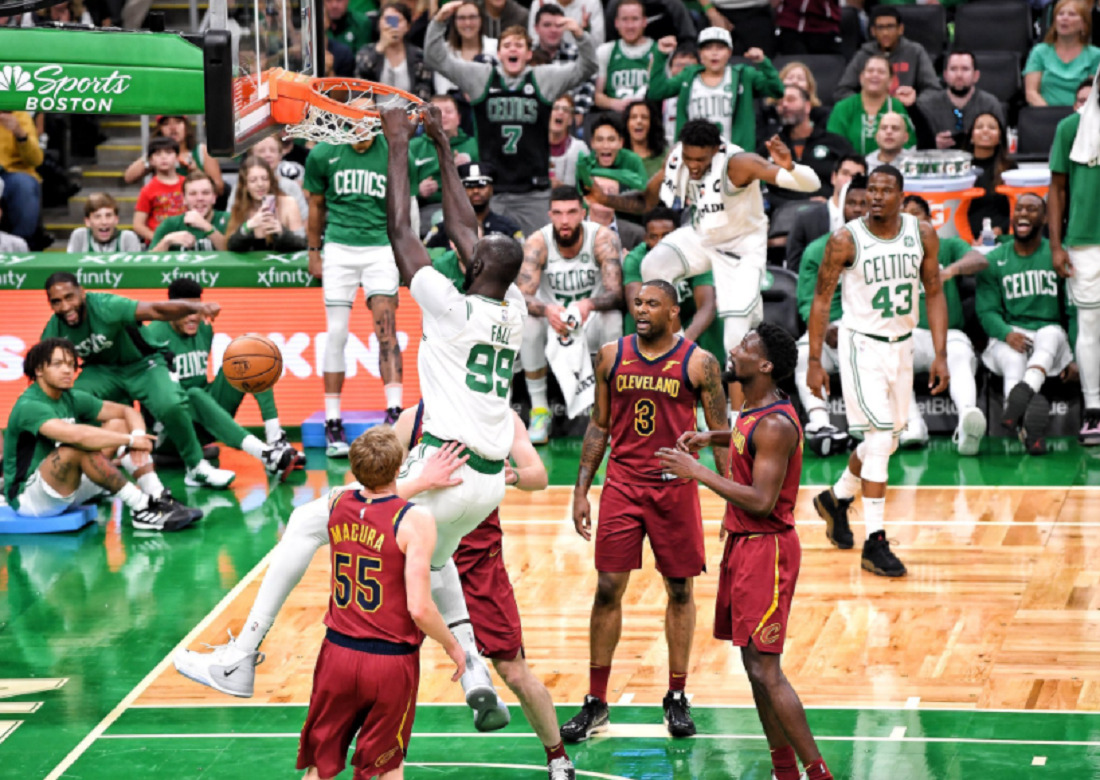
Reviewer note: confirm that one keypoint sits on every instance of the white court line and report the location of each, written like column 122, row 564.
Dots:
column 1039, row 761
column 626, row 698
column 898, row 732
column 912, row 703
column 138, row 689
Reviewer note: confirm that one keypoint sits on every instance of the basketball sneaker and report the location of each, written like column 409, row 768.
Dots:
column 392, row 414
column 205, row 475
column 490, row 713
column 968, row 436
column 299, row 456
column 538, row 430
column 878, row 558
column 336, row 439
column 592, row 719
column 834, row 511
column 561, row 769
column 915, row 435
column 1090, row 428
column 227, row 668
column 161, row 516
column 279, row 460
column 1036, row 423
column 168, row 499
column 678, row 714
column 1015, row 405
column 825, row 440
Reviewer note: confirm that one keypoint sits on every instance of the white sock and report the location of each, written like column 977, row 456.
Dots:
column 847, row 486
column 150, row 483
column 874, row 513
column 1088, row 355
column 132, row 497
column 273, row 430
column 395, row 396
column 1034, row 378
column 818, row 418
column 963, row 388
column 332, row 406
column 536, row 388
column 447, row 595
column 253, row 446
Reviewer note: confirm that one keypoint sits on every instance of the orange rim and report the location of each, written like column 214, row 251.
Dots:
column 291, row 94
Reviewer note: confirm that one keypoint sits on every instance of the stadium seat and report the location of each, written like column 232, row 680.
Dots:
column 780, row 299
column 926, row 25
column 851, row 32
column 827, row 70
column 1036, row 131
column 1000, row 74
column 993, row 25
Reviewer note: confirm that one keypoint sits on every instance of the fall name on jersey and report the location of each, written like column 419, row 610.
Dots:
column 657, row 384
column 359, row 182
column 1025, row 284
column 895, row 265
column 360, row 534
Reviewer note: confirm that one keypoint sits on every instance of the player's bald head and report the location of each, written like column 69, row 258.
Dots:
column 500, row 256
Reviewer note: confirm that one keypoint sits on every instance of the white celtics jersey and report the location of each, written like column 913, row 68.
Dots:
column 720, row 212
column 465, row 361
column 881, row 290
column 565, row 280
column 713, row 103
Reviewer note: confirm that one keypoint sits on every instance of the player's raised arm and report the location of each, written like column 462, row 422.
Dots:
column 170, row 311
column 705, row 373
column 409, row 253
column 840, row 252
column 595, row 441
column 781, row 170
column 459, row 220
column 936, row 303
column 633, row 202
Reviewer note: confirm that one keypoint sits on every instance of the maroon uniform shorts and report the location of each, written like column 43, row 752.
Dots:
column 755, row 588
column 368, row 692
column 668, row 513
column 488, row 591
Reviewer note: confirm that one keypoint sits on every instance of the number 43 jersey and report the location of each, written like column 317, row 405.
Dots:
column 880, row 291
column 652, row 405
column 466, row 361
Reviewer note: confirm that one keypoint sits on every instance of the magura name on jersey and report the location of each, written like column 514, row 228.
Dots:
column 1028, row 283
column 894, row 265
column 359, row 182
column 360, row 534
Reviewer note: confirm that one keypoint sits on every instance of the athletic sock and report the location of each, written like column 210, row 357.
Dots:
column 254, row 631
column 132, row 497
column 536, row 388
column 273, row 430
column 597, row 681
column 447, row 595
column 150, row 483
column 677, row 681
column 395, row 395
column 558, row 751
column 332, row 406
column 847, row 486
column 1034, row 378
column 818, row 418
column 253, row 446
column 817, row 770
column 874, row 514
column 785, row 763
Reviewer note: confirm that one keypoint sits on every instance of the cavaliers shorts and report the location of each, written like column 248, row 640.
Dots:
column 359, row 691
column 667, row 512
column 488, row 591
column 755, row 588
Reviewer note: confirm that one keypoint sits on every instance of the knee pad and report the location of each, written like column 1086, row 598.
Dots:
column 875, row 453
column 337, row 318
column 662, row 262
column 532, row 350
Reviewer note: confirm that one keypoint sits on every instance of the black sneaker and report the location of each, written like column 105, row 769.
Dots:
column 827, row 440
column 336, row 440
column 678, row 715
column 1015, row 405
column 299, row 457
column 877, row 557
column 279, row 460
column 834, row 511
column 159, row 516
column 392, row 414
column 592, row 719
column 170, row 501
column 1034, row 426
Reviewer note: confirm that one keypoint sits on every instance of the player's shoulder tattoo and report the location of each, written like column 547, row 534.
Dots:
column 608, row 247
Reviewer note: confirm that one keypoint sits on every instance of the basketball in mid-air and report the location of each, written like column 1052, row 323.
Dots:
column 252, row 363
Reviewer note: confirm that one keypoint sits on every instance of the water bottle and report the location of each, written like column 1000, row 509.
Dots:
column 988, row 237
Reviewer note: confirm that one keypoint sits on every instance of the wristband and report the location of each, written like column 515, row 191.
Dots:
column 315, row 249
column 708, row 7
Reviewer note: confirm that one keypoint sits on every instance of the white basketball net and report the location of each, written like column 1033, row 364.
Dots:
column 321, row 124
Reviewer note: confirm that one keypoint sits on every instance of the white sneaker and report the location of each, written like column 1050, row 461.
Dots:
column 205, row 475
column 915, row 435
column 968, row 436
column 490, row 713
column 561, row 769
column 226, row 669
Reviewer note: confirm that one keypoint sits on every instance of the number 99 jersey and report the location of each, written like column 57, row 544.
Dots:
column 652, row 404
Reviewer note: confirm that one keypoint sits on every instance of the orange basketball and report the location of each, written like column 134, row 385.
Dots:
column 252, row 363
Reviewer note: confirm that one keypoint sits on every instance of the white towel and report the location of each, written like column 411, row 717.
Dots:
column 1086, row 145
column 572, row 366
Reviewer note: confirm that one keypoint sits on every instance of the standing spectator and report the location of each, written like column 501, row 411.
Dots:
column 687, row 53
column 625, row 63
column 100, row 232
column 988, row 143
column 192, row 156
column 1057, row 65
column 892, row 137
column 287, row 174
column 162, row 195
column 512, row 108
column 200, row 228
column 466, row 39
column 393, row 60
column 588, row 14
column 263, row 216
column 645, row 136
column 551, row 48
column 715, row 90
column 663, row 17
column 609, row 159
column 425, row 160
column 749, row 20
column 351, row 28
column 856, row 117
column 910, row 66
column 20, row 155
column 949, row 114
column 477, row 178
column 821, row 219
column 808, row 26
column 565, row 148
column 498, row 15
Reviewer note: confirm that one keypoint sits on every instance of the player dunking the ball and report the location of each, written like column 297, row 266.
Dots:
column 762, row 555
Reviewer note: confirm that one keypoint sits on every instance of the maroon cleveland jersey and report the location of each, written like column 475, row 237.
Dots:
column 742, row 455
column 368, row 570
column 652, row 405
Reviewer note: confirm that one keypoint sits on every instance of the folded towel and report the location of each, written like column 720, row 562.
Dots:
column 572, row 365
column 1086, row 145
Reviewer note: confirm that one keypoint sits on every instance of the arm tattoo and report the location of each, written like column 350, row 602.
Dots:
column 592, row 452
column 633, row 202
column 715, row 406
column 60, row 468
column 609, row 256
column 839, row 252
column 530, row 274
column 102, row 472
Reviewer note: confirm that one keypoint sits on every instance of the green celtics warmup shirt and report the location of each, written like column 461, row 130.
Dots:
column 106, row 334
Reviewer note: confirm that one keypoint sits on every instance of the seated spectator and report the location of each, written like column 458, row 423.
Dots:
column 100, row 232
column 750, row 21
column 478, row 180
column 624, row 64
column 466, row 39
column 892, row 138
column 162, row 195
column 192, row 156
column 565, row 148
column 20, row 156
column 798, row 75
column 988, row 143
column 425, row 160
column 703, row 90
column 10, row 244
column 1082, row 94
column 820, row 219
column 288, row 174
column 856, row 117
column 609, row 159
column 71, row 12
column 645, row 136
column 808, row 27
column 551, row 47
column 587, row 13
column 949, row 114
column 911, row 70
column 394, row 61
column 351, row 28
column 1056, row 66
column 630, row 234
column 200, row 227
column 262, row 216
column 498, row 15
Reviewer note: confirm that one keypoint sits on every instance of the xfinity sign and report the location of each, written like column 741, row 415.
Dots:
column 49, row 89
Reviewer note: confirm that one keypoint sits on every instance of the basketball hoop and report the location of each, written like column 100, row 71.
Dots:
column 333, row 110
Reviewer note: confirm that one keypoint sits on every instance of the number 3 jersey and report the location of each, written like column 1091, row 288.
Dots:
column 368, row 599
column 880, row 290
column 466, row 361
column 652, row 404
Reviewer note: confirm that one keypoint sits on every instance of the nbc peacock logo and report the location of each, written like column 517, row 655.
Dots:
column 15, row 79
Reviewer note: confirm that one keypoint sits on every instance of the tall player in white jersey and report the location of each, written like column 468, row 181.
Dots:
column 881, row 260
column 728, row 234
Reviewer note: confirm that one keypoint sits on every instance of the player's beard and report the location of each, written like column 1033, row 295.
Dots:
column 572, row 242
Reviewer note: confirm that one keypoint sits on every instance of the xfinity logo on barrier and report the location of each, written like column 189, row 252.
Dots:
column 275, row 276
column 57, row 92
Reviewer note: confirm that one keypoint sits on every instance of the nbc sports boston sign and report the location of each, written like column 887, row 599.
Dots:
column 49, row 89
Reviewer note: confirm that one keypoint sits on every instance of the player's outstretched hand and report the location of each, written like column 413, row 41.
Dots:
column 210, row 311
column 677, row 463
column 582, row 516
column 938, row 375
column 432, row 118
column 817, row 380
column 693, row 441
column 395, row 123
column 439, row 469
column 779, row 152
column 454, row 651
